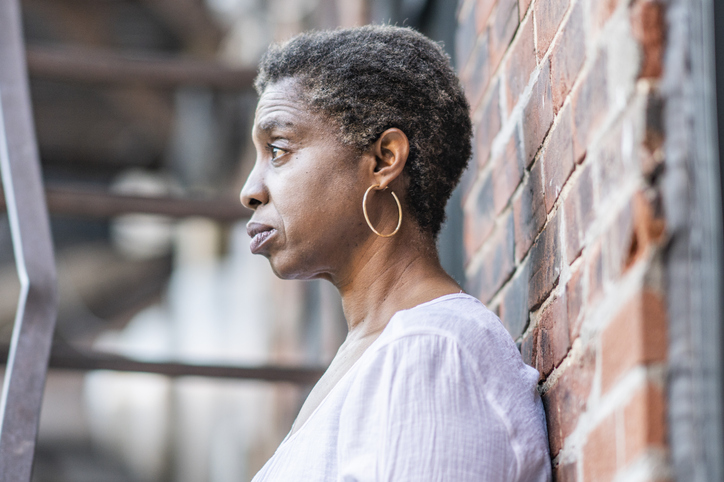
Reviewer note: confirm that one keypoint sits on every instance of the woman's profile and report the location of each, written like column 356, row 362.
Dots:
column 361, row 136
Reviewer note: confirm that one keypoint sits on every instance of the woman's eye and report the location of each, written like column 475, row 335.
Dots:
column 275, row 152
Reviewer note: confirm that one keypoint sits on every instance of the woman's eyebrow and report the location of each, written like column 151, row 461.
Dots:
column 268, row 125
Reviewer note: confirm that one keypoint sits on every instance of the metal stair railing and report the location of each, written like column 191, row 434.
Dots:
column 30, row 227
column 31, row 351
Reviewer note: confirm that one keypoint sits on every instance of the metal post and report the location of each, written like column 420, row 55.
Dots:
column 33, row 331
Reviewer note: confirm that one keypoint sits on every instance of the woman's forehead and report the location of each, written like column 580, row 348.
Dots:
column 280, row 105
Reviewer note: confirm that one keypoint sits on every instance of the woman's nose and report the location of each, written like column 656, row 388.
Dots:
column 254, row 192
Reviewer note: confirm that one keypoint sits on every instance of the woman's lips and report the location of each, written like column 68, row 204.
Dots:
column 259, row 234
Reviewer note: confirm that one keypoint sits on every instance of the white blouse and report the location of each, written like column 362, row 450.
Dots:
column 441, row 395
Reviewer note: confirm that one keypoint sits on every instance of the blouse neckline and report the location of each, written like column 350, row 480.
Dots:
column 290, row 436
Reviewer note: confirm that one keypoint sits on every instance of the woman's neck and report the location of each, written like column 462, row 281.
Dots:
column 399, row 275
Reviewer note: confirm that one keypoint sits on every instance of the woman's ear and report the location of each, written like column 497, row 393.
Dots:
column 390, row 151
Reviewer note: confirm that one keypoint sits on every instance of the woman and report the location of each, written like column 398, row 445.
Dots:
column 361, row 136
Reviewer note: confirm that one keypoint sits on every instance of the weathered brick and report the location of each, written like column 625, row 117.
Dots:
column 488, row 126
column 579, row 208
column 529, row 212
column 568, row 55
column 574, row 301
column 528, row 347
column 482, row 11
column 523, row 6
column 648, row 228
column 497, row 261
column 514, row 306
column 590, row 104
column 478, row 77
column 558, row 160
column 548, row 16
column 553, row 338
column 507, row 172
column 504, row 24
column 479, row 217
column 652, row 156
column 567, row 399
column 565, row 472
column 545, row 260
column 648, row 21
column 465, row 39
column 636, row 335
column 538, row 113
column 599, row 452
column 644, row 422
column 520, row 63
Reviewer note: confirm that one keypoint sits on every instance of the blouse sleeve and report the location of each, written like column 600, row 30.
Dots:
column 418, row 413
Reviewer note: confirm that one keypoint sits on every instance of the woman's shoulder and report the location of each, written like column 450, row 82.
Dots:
column 458, row 317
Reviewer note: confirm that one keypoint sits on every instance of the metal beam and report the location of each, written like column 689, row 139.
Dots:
column 101, row 204
column 95, row 66
column 73, row 359
column 35, row 319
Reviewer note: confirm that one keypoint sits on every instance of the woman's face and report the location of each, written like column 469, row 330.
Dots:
column 305, row 189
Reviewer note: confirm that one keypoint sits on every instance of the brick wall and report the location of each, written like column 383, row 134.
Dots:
column 564, row 232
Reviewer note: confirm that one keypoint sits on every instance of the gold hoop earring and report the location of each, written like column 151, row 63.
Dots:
column 367, row 218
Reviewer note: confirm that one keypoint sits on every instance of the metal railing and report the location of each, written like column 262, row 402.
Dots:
column 28, row 202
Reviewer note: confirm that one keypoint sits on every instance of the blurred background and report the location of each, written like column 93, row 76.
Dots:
column 154, row 98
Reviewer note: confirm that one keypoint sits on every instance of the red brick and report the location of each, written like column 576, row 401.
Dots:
column 567, row 472
column 545, row 260
column 590, row 104
column 497, row 261
column 558, row 160
column 599, row 452
column 594, row 265
column 648, row 228
column 553, row 338
column 507, row 172
column 481, row 12
column 568, row 55
column 566, row 400
column 548, row 16
column 479, row 217
column 476, row 79
column 504, row 24
column 579, row 208
column 523, row 6
column 521, row 62
column 644, row 422
column 637, row 335
column 488, row 126
column 528, row 348
column 514, row 306
column 574, row 299
column 648, row 19
column 537, row 114
column 529, row 212
column 652, row 156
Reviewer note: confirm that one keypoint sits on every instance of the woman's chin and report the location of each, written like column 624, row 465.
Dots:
column 294, row 271
column 286, row 269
